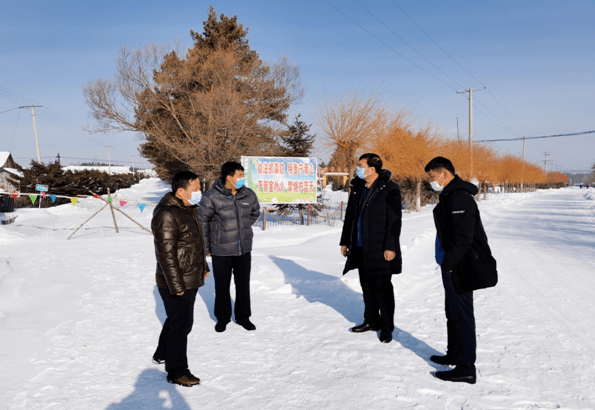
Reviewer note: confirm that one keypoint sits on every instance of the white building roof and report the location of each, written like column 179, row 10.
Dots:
column 4, row 157
column 14, row 172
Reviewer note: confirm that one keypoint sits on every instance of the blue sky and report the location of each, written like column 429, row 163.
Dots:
column 535, row 57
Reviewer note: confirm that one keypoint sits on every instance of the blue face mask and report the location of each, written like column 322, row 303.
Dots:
column 195, row 198
column 240, row 183
column 361, row 172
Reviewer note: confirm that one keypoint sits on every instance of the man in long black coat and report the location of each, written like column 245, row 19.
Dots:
column 370, row 240
column 466, row 263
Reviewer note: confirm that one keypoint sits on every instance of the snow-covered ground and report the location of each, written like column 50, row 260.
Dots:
column 79, row 318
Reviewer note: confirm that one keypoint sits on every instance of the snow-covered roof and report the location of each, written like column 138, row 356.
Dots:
column 14, row 172
column 4, row 157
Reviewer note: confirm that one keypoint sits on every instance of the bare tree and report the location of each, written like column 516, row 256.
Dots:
column 349, row 123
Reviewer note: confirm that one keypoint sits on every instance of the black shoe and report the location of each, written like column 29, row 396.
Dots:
column 364, row 327
column 157, row 360
column 445, row 360
column 220, row 327
column 187, row 380
column 386, row 337
column 457, row 375
column 246, row 324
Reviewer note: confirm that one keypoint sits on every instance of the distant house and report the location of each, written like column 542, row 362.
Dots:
column 8, row 168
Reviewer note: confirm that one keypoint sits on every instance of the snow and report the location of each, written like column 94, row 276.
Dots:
column 80, row 318
column 4, row 157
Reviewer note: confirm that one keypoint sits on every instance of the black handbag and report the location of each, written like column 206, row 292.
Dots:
column 476, row 270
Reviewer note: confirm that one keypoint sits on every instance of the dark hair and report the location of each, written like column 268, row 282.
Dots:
column 229, row 169
column 373, row 160
column 440, row 163
column 182, row 180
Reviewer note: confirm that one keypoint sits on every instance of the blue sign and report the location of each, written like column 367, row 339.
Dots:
column 41, row 188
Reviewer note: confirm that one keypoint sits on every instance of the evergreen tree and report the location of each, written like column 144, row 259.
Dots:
column 196, row 111
column 67, row 183
column 297, row 142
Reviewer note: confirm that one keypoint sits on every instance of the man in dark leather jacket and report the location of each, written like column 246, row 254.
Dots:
column 227, row 212
column 460, row 236
column 181, row 270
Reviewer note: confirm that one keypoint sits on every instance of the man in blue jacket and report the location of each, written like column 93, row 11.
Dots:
column 466, row 263
column 227, row 212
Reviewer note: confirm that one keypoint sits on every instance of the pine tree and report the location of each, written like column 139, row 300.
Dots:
column 297, row 142
column 213, row 104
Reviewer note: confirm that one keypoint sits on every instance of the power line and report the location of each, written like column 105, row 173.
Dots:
column 408, row 45
column 50, row 116
column 539, row 137
column 457, row 63
column 12, row 109
column 395, row 51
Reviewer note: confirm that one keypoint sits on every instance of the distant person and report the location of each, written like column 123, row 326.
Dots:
column 466, row 263
column 370, row 241
column 181, row 270
column 227, row 212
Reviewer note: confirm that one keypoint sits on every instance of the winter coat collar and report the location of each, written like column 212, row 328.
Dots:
column 458, row 184
column 170, row 200
column 218, row 185
column 384, row 176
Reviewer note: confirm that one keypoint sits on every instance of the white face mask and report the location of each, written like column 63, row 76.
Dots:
column 436, row 185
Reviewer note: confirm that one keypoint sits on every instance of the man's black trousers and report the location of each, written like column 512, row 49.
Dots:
column 223, row 269
column 379, row 297
column 173, row 341
column 460, row 325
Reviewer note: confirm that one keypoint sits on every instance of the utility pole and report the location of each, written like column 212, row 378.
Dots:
column 523, row 171
column 470, row 91
column 109, row 161
column 458, row 135
column 34, row 128
column 545, row 162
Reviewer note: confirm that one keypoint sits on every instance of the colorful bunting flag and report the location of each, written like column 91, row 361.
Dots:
column 15, row 196
column 96, row 196
column 109, row 198
column 33, row 197
column 122, row 203
column 74, row 200
column 141, row 207
column 53, row 198
column 43, row 194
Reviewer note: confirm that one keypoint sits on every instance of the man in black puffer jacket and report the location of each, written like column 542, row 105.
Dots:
column 466, row 263
column 370, row 240
column 227, row 212
column 181, row 270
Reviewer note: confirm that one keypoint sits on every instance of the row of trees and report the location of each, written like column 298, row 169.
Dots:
column 357, row 122
column 68, row 183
